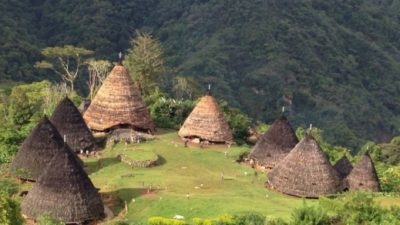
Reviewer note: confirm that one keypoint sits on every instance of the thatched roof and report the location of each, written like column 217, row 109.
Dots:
column 363, row 176
column 70, row 124
column 118, row 103
column 305, row 172
column 343, row 166
column 275, row 144
column 206, row 122
column 37, row 150
column 64, row 191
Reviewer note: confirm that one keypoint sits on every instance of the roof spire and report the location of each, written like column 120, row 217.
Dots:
column 209, row 89
column 120, row 58
column 283, row 109
column 310, row 129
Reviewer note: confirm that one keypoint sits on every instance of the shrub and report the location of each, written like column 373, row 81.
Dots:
column 47, row 219
column 10, row 213
column 8, row 187
column 308, row 215
column 165, row 221
column 249, row 219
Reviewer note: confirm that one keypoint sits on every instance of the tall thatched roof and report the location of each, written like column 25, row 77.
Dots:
column 118, row 103
column 206, row 122
column 305, row 172
column 37, row 150
column 64, row 191
column 69, row 122
column 275, row 144
column 343, row 166
column 363, row 176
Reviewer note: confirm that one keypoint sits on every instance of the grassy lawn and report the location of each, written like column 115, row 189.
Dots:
column 187, row 182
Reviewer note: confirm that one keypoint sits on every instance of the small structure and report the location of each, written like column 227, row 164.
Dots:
column 206, row 122
column 305, row 172
column 118, row 104
column 37, row 150
column 363, row 176
column 64, row 191
column 343, row 166
column 69, row 122
column 275, row 144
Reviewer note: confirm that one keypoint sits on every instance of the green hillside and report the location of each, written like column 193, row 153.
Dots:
column 338, row 60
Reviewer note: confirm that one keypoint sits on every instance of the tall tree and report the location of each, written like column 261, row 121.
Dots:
column 145, row 62
column 98, row 70
column 65, row 61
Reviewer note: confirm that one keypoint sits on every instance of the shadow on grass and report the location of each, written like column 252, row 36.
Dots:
column 97, row 165
column 116, row 200
column 161, row 160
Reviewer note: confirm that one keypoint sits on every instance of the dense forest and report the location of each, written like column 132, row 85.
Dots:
column 335, row 64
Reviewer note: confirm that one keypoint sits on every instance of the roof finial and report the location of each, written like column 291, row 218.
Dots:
column 283, row 109
column 209, row 89
column 310, row 129
column 120, row 58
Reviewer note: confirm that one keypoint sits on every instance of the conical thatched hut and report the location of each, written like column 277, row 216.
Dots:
column 363, row 176
column 117, row 104
column 64, row 191
column 343, row 166
column 275, row 144
column 206, row 122
column 37, row 150
column 69, row 122
column 305, row 172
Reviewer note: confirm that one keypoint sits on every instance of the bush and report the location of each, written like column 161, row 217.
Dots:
column 170, row 113
column 8, row 187
column 10, row 213
column 249, row 219
column 308, row 215
column 165, row 221
column 47, row 219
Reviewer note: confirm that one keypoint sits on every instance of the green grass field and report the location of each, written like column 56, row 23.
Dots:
column 187, row 182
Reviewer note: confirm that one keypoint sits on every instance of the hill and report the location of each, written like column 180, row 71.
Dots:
column 335, row 63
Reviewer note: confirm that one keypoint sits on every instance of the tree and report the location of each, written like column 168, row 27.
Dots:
column 145, row 62
column 98, row 70
column 186, row 86
column 65, row 61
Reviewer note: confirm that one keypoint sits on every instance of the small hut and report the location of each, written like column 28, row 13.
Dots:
column 363, row 176
column 206, row 122
column 64, row 191
column 305, row 172
column 275, row 144
column 343, row 166
column 118, row 104
column 69, row 122
column 36, row 151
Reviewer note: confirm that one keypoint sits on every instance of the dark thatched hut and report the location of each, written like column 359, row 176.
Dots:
column 37, row 150
column 207, row 123
column 64, row 191
column 118, row 104
column 305, row 172
column 363, row 176
column 275, row 144
column 343, row 166
column 70, row 124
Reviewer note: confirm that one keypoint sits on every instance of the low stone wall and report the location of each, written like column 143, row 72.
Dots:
column 138, row 163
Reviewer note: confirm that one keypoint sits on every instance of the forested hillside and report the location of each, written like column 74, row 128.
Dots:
column 339, row 61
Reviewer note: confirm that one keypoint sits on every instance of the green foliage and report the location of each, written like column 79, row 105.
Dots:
column 164, row 221
column 8, row 187
column 10, row 213
column 238, row 122
column 47, row 219
column 145, row 62
column 249, row 219
column 170, row 113
column 310, row 215
column 390, row 179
